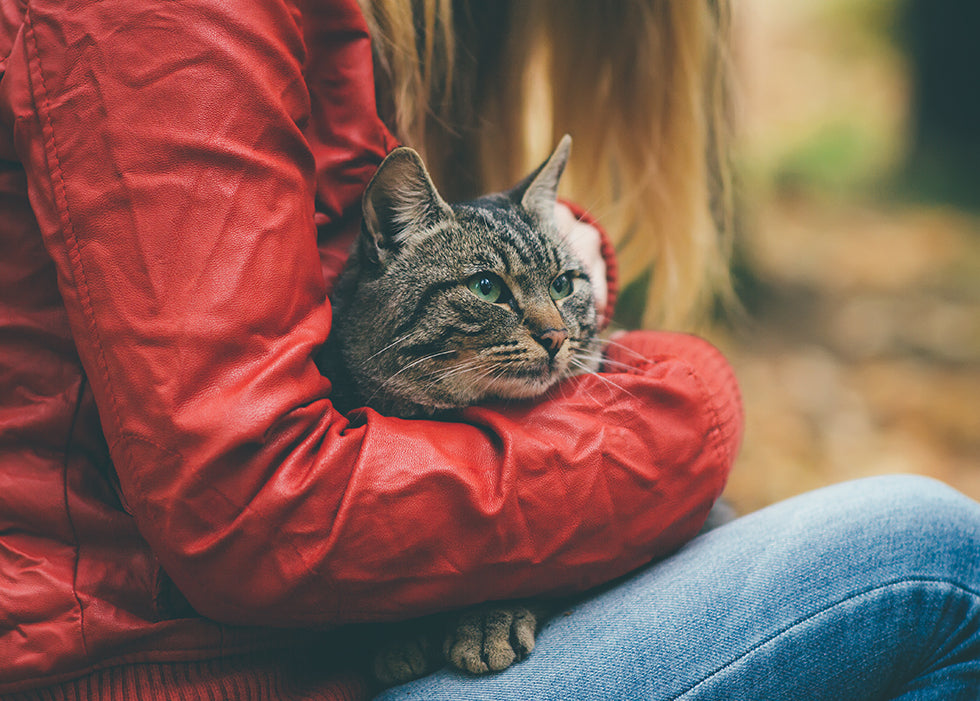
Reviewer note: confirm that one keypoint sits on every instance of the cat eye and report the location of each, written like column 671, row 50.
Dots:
column 561, row 286
column 488, row 287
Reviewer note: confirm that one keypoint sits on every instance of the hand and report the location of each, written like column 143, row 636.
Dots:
column 586, row 242
column 491, row 638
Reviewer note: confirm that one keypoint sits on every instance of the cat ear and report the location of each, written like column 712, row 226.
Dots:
column 400, row 203
column 538, row 192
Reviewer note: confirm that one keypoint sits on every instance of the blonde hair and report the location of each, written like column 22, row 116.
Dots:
column 639, row 85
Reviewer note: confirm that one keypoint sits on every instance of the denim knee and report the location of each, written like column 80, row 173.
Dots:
column 914, row 504
column 900, row 524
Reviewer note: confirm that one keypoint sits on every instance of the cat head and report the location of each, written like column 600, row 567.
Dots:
column 444, row 305
column 401, row 204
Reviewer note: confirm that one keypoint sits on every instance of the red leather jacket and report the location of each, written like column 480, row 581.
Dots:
column 161, row 300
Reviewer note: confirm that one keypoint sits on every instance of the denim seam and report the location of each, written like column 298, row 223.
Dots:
column 803, row 619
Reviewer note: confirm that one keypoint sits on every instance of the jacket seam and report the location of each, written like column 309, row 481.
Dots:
column 712, row 436
column 715, row 436
column 60, row 191
column 71, row 521
column 721, row 421
column 53, row 165
column 713, row 440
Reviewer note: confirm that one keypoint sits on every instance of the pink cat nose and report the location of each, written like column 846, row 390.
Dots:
column 551, row 340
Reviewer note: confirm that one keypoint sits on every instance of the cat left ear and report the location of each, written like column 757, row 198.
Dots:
column 538, row 192
column 400, row 202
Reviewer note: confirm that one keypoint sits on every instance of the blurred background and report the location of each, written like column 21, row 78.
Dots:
column 858, row 243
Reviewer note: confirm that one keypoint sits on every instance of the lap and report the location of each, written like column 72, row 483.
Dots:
column 839, row 593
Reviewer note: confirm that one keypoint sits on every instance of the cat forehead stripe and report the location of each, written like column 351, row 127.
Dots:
column 419, row 230
column 533, row 249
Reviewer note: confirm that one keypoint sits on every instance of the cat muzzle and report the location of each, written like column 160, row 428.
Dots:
column 551, row 340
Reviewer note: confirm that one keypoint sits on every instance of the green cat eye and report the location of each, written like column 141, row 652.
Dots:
column 488, row 287
column 561, row 286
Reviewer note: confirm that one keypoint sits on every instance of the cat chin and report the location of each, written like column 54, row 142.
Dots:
column 520, row 387
column 501, row 388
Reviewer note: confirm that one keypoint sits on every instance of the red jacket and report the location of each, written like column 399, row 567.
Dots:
column 161, row 300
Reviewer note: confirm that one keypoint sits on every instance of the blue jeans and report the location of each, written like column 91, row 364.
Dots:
column 864, row 590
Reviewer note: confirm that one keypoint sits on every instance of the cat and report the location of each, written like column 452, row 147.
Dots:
column 443, row 306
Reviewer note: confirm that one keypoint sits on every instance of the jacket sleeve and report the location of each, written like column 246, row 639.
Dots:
column 175, row 189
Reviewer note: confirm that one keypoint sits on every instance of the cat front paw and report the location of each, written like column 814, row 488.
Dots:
column 491, row 638
column 403, row 660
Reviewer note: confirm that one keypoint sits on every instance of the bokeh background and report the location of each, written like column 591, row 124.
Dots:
column 858, row 243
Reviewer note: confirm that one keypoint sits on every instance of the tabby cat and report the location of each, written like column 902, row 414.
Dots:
column 442, row 306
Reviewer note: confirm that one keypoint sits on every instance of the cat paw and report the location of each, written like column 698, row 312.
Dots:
column 403, row 660
column 491, row 638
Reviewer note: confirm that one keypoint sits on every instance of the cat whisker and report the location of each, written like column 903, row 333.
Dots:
column 496, row 371
column 421, row 360
column 441, row 374
column 575, row 369
column 492, row 373
column 600, row 376
column 605, row 362
column 471, row 362
column 391, row 345
column 615, row 364
column 474, row 365
column 610, row 342
column 561, row 387
column 388, row 379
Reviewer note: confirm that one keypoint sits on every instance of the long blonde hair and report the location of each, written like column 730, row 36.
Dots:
column 484, row 91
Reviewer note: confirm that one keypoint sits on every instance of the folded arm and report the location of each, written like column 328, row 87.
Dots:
column 173, row 177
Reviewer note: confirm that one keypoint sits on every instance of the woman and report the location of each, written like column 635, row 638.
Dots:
column 184, row 515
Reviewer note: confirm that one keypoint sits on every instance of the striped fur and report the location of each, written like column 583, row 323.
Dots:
column 412, row 338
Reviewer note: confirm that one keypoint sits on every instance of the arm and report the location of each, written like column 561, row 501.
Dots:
column 175, row 191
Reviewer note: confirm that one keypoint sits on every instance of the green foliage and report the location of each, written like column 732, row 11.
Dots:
column 838, row 157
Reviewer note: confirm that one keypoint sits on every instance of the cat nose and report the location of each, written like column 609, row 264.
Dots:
column 551, row 340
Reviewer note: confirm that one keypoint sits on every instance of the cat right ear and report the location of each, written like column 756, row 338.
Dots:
column 400, row 204
column 538, row 192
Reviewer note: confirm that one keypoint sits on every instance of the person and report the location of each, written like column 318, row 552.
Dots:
column 184, row 515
